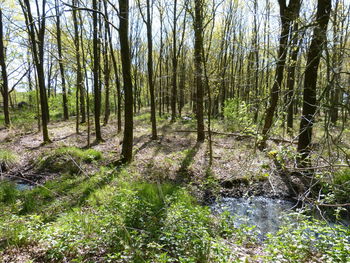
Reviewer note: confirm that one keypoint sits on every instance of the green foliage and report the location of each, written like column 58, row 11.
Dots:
column 8, row 192
column 67, row 159
column 238, row 116
column 303, row 239
column 117, row 219
column 341, row 185
column 7, row 159
column 56, row 108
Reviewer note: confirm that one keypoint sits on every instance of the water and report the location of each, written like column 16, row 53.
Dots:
column 265, row 213
column 23, row 186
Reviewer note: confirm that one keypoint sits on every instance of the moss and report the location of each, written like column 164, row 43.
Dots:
column 67, row 160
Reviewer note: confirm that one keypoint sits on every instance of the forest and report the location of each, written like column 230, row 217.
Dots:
column 175, row 131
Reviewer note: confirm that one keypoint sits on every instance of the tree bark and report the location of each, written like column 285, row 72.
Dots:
column 60, row 62
column 126, row 155
column 4, row 87
column 309, row 94
column 287, row 15
column 198, row 60
column 36, row 35
column 174, row 62
column 96, row 71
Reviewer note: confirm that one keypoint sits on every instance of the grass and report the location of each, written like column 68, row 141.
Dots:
column 118, row 220
column 112, row 216
column 7, row 159
column 67, row 159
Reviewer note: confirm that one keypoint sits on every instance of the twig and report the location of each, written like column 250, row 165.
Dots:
column 318, row 167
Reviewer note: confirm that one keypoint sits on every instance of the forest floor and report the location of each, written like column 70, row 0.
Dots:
column 60, row 220
column 238, row 166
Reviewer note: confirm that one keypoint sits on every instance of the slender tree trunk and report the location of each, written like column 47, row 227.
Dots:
column 4, row 87
column 287, row 15
column 174, row 61
column 291, row 77
column 126, row 155
column 150, row 71
column 309, row 95
column 106, row 72
column 198, row 60
column 60, row 62
column 160, row 101
column 37, row 44
column 96, row 71
column 116, row 73
column 80, row 79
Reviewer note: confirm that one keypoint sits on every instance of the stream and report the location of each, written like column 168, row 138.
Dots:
column 265, row 213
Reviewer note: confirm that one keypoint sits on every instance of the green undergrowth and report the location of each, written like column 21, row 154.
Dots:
column 304, row 239
column 7, row 159
column 113, row 216
column 67, row 159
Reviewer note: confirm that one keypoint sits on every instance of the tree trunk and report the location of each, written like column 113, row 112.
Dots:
column 96, row 70
column 106, row 71
column 126, row 155
column 4, row 87
column 198, row 60
column 287, row 15
column 309, row 95
column 150, row 71
column 174, row 61
column 291, row 77
column 37, row 44
column 60, row 62
column 80, row 79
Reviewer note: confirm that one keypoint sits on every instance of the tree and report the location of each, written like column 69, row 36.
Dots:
column 318, row 42
column 174, row 62
column 126, row 155
column 96, row 72
column 198, row 60
column 106, row 70
column 288, row 13
column 37, row 36
column 4, row 85
column 148, row 22
column 79, row 72
column 60, row 61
